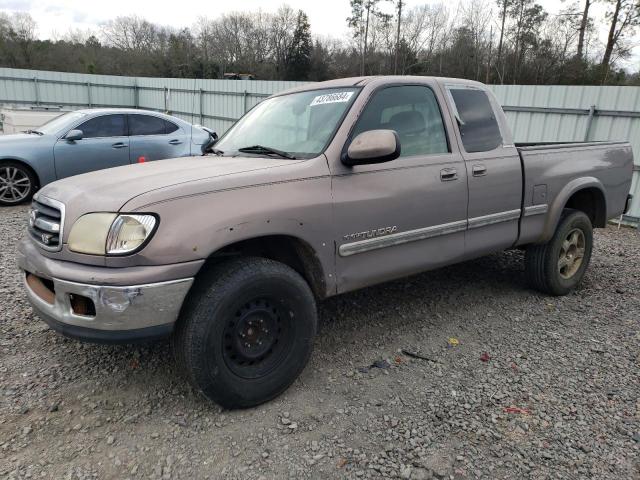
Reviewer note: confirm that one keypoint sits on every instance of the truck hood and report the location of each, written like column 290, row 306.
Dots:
column 111, row 189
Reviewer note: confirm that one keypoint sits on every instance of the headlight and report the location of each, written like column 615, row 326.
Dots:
column 128, row 232
column 110, row 233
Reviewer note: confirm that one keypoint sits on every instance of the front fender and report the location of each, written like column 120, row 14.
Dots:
column 39, row 157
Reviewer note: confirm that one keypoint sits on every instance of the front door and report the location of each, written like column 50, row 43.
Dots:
column 104, row 144
column 494, row 172
column 408, row 215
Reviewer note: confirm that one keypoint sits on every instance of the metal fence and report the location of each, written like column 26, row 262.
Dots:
column 214, row 103
column 555, row 113
column 535, row 113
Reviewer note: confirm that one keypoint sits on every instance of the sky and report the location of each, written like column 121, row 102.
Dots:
column 327, row 17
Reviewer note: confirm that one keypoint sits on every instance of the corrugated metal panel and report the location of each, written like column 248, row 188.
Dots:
column 556, row 127
column 223, row 101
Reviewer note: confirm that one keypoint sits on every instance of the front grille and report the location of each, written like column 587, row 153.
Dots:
column 46, row 220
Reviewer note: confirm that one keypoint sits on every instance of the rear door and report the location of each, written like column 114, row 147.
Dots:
column 493, row 170
column 407, row 215
column 154, row 138
column 104, row 144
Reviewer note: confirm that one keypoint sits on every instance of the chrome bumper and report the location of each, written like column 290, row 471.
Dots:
column 96, row 304
column 133, row 307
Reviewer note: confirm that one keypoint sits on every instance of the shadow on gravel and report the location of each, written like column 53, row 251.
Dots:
column 397, row 304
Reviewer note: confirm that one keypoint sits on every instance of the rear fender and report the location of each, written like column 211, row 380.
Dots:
column 560, row 202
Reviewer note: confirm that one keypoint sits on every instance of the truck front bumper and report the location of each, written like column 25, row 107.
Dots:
column 97, row 312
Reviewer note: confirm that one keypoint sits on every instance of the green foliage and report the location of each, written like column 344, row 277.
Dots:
column 299, row 58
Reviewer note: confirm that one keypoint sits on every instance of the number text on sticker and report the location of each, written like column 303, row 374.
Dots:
column 337, row 97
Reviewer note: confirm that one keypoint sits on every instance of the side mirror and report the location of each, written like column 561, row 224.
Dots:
column 374, row 146
column 74, row 135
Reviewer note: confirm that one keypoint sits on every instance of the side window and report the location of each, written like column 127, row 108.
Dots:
column 413, row 112
column 477, row 120
column 145, row 125
column 170, row 127
column 104, row 126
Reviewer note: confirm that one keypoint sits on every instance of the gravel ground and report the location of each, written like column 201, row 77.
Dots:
column 514, row 384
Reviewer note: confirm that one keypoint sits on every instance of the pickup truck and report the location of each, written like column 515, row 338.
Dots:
column 316, row 191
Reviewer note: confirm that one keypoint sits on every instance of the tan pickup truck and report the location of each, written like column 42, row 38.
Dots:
column 316, row 191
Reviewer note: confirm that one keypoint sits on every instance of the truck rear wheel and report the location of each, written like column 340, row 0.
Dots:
column 557, row 267
column 246, row 331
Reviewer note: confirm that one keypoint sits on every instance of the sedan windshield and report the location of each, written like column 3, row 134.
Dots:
column 300, row 125
column 58, row 123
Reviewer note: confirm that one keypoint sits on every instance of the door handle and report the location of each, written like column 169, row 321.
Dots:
column 448, row 174
column 175, row 142
column 119, row 145
column 479, row 170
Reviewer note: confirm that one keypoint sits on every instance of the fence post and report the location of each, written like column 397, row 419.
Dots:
column 166, row 100
column 592, row 111
column 201, row 107
column 89, row 102
column 136, row 94
column 245, row 95
column 36, row 89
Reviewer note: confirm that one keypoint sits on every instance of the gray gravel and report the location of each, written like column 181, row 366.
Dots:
column 537, row 387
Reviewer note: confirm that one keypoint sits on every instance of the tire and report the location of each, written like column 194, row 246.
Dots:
column 246, row 331
column 556, row 267
column 17, row 183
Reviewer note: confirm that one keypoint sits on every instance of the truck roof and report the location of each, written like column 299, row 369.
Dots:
column 361, row 81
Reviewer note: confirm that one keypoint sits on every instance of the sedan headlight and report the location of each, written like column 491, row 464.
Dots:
column 110, row 233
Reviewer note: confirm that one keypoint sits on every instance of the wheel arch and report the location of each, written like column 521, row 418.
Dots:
column 6, row 159
column 584, row 194
column 288, row 249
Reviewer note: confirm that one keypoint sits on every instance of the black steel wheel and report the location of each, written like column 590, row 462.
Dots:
column 257, row 337
column 246, row 331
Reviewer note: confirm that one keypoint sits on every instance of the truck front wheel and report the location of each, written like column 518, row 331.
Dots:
column 246, row 331
column 557, row 267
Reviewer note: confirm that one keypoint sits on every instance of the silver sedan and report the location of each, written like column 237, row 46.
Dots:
column 87, row 140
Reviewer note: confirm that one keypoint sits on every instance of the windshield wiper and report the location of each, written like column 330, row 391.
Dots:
column 263, row 149
column 37, row 132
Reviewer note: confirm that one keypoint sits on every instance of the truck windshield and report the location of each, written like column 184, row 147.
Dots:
column 298, row 124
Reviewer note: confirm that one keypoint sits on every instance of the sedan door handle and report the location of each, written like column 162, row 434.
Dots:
column 448, row 174
column 119, row 145
column 479, row 170
column 175, row 142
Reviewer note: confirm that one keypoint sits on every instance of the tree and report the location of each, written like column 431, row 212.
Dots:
column 623, row 20
column 504, row 6
column 130, row 33
column 283, row 25
column 584, row 22
column 356, row 23
column 527, row 17
column 299, row 58
column 22, row 34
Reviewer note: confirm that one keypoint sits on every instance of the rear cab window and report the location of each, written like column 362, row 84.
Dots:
column 476, row 119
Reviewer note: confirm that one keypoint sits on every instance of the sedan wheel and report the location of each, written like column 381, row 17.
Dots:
column 16, row 184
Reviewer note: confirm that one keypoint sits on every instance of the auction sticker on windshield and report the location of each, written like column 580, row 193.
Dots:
column 337, row 97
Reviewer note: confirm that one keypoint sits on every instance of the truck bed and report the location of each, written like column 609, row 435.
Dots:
column 554, row 171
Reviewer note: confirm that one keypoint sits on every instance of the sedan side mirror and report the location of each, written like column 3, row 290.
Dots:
column 373, row 146
column 74, row 135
